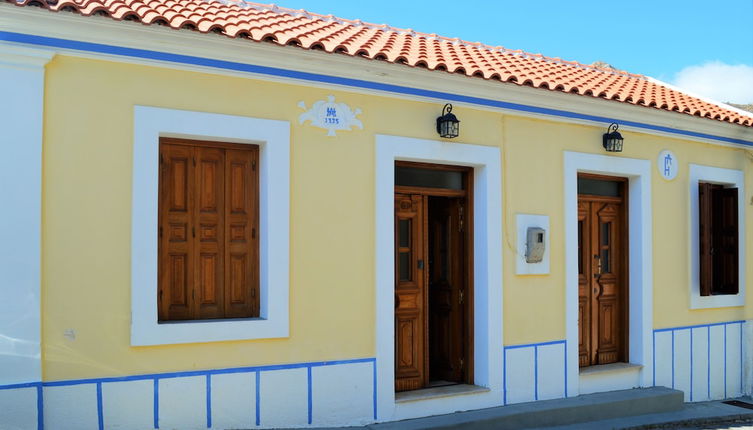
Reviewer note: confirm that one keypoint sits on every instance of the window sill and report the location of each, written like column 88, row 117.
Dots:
column 174, row 332
column 719, row 301
column 438, row 392
column 209, row 321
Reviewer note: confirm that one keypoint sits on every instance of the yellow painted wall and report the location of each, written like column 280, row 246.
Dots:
column 87, row 204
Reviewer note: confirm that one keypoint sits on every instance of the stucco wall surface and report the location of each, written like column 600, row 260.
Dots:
column 87, row 172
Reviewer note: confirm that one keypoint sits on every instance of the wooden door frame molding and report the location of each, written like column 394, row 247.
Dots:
column 624, row 244
column 640, row 270
column 467, row 195
column 487, row 271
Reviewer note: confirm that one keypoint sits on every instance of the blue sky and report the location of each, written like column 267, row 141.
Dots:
column 705, row 46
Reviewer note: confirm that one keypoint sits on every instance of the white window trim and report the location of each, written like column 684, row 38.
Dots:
column 640, row 266
column 273, row 138
column 727, row 177
column 487, row 272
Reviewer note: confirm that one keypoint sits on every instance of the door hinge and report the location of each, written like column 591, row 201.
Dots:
column 160, row 231
column 160, row 296
column 462, row 364
column 253, row 165
column 161, row 159
column 194, row 161
column 461, row 299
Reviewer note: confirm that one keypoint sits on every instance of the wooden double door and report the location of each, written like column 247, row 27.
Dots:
column 602, row 271
column 431, row 288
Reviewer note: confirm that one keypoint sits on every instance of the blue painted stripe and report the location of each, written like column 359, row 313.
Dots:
column 504, row 376
column 309, row 400
column 209, row 401
column 156, row 403
column 100, row 412
column 374, row 366
column 565, row 355
column 258, row 400
column 654, row 358
column 673, row 359
column 355, row 83
column 691, row 364
column 708, row 362
column 23, row 385
column 687, row 327
column 536, row 373
column 725, row 361
column 40, row 407
column 151, row 376
column 529, row 345
column 741, row 358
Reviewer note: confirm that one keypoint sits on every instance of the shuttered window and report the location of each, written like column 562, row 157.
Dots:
column 208, row 230
column 718, row 224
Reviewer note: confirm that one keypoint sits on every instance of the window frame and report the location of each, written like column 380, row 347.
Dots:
column 273, row 138
column 728, row 178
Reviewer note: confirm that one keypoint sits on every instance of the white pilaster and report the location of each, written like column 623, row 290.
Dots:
column 21, row 118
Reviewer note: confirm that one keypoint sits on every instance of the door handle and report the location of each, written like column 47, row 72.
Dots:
column 598, row 266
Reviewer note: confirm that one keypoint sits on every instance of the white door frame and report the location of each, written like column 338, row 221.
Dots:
column 640, row 267
column 487, row 272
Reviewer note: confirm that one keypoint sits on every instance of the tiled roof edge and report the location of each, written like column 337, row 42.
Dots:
column 700, row 97
column 429, row 36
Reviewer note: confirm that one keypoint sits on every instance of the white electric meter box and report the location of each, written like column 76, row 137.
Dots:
column 532, row 248
column 535, row 245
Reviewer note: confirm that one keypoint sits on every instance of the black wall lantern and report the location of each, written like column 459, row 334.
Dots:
column 613, row 139
column 448, row 124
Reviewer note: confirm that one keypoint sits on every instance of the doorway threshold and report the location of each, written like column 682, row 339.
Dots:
column 437, row 392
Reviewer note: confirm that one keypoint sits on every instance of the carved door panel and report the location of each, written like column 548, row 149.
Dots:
column 602, row 289
column 606, row 312
column 447, row 289
column 410, row 296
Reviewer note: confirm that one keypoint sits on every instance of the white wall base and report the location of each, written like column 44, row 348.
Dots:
column 18, row 408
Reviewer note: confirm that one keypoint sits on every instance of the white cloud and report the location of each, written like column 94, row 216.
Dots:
column 718, row 81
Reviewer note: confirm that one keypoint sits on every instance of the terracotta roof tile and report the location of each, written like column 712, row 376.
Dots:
column 269, row 23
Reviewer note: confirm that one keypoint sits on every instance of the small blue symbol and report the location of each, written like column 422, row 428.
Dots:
column 668, row 165
column 331, row 112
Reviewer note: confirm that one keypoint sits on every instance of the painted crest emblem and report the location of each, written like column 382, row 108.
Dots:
column 330, row 116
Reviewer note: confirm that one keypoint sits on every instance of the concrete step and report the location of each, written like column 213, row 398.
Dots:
column 588, row 407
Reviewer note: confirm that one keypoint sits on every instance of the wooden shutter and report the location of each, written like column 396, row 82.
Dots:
column 242, row 250
column 705, row 236
column 726, row 238
column 208, row 231
column 175, row 245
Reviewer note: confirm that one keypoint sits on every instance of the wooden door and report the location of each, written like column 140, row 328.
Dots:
column 410, row 296
column 602, row 292
column 446, row 289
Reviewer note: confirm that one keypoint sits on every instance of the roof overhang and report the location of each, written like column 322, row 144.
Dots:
column 102, row 38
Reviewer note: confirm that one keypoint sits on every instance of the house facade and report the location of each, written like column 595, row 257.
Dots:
column 233, row 215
